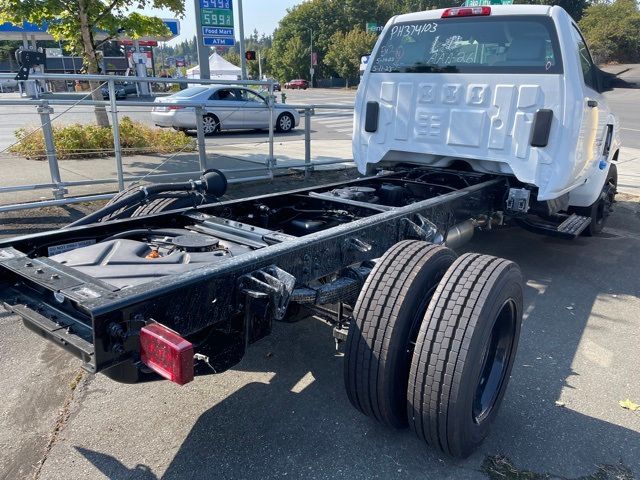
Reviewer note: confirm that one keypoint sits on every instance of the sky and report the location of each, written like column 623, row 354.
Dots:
column 262, row 15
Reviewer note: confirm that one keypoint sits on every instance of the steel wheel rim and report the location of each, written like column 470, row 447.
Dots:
column 209, row 125
column 495, row 362
column 285, row 123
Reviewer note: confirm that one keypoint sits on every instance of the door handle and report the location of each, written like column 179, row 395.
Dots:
column 592, row 103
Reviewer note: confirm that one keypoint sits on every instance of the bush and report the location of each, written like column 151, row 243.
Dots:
column 90, row 141
column 612, row 31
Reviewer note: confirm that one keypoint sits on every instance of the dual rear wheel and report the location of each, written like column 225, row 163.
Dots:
column 433, row 341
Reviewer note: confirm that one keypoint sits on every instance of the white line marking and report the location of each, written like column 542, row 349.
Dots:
column 630, row 129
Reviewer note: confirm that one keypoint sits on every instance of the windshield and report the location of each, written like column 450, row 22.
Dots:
column 190, row 92
column 514, row 44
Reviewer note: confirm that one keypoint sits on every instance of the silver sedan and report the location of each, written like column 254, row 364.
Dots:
column 225, row 108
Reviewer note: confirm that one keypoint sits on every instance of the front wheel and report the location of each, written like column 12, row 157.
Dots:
column 285, row 123
column 600, row 210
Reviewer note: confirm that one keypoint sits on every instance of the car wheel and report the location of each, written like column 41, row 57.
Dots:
column 285, row 123
column 464, row 353
column 210, row 124
column 600, row 210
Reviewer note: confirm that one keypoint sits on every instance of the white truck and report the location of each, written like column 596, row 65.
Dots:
column 504, row 89
column 474, row 116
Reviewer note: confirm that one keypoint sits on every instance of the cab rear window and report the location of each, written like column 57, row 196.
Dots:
column 501, row 44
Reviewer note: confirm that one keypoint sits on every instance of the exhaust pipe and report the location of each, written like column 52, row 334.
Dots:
column 460, row 234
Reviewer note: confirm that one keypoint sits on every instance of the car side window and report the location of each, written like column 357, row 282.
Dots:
column 249, row 96
column 586, row 63
column 224, row 94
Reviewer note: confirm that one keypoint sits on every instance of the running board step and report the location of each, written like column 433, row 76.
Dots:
column 570, row 228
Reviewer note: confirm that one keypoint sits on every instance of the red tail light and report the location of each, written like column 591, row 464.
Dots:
column 466, row 12
column 166, row 353
column 175, row 107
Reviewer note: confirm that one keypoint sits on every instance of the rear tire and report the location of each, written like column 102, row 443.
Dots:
column 210, row 124
column 157, row 205
column 387, row 317
column 464, row 353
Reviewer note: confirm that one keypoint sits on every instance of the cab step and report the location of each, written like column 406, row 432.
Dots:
column 567, row 227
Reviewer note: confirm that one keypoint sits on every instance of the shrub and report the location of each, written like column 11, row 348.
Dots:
column 613, row 31
column 90, row 141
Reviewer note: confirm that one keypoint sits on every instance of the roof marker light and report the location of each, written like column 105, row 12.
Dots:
column 466, row 12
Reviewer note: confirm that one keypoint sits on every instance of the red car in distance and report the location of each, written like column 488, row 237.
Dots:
column 297, row 84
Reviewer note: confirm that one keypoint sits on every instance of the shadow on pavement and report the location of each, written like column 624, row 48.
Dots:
column 301, row 424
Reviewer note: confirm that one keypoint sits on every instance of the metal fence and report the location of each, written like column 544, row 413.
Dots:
column 46, row 110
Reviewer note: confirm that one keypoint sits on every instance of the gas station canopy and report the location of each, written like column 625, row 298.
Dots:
column 35, row 32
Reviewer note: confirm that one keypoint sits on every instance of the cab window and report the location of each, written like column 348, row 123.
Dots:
column 500, row 44
column 586, row 63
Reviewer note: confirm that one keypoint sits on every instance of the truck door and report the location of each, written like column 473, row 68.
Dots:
column 594, row 111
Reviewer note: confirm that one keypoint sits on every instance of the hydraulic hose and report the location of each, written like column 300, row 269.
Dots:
column 212, row 182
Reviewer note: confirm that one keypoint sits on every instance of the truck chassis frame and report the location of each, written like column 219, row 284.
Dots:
column 99, row 323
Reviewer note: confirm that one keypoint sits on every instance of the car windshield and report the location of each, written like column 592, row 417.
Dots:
column 190, row 92
column 501, row 44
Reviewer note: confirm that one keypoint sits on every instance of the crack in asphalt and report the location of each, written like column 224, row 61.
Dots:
column 80, row 381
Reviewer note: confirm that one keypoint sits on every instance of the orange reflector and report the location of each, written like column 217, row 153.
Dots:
column 166, row 353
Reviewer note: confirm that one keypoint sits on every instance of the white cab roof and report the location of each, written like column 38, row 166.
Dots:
column 502, row 10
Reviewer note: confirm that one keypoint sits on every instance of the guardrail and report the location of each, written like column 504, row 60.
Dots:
column 59, row 188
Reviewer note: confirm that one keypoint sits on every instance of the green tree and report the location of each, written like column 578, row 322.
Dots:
column 7, row 50
column 575, row 8
column 325, row 18
column 88, row 24
column 346, row 49
column 613, row 31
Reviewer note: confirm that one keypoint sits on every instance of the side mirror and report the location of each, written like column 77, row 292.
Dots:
column 608, row 81
column 604, row 80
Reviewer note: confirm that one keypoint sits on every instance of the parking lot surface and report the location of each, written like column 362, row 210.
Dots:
column 283, row 413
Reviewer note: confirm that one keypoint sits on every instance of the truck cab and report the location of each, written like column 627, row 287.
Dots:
column 509, row 90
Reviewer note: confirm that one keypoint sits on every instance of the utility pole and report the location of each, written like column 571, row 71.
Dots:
column 203, row 52
column 259, row 65
column 311, row 69
column 243, row 60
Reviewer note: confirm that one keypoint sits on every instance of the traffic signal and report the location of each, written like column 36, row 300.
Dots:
column 250, row 55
